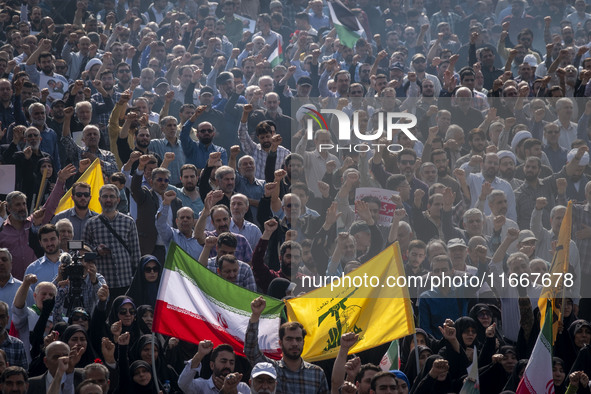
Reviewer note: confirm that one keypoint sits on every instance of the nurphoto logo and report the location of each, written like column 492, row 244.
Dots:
column 391, row 123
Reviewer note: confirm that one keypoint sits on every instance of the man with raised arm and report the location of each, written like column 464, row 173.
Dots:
column 294, row 375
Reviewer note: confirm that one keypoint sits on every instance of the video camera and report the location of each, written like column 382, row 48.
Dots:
column 74, row 271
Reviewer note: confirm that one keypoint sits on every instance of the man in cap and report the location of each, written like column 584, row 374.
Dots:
column 263, row 379
column 301, row 92
column 419, row 63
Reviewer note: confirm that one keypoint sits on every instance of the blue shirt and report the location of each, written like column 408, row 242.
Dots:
column 168, row 234
column 195, row 152
column 49, row 145
column 8, row 292
column 254, row 190
column 77, row 223
column 557, row 158
column 249, row 231
column 434, row 308
column 161, row 146
column 196, row 205
column 45, row 269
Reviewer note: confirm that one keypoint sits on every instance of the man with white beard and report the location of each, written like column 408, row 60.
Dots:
column 263, row 379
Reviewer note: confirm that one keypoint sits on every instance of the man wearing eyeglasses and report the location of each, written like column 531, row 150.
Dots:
column 148, row 201
column 80, row 213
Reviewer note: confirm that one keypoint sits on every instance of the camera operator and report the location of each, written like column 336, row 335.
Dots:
column 91, row 283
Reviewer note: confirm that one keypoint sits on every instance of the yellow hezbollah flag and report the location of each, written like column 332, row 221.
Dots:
column 362, row 303
column 560, row 263
column 94, row 177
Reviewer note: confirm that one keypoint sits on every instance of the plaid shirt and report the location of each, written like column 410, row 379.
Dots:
column 245, row 277
column 451, row 18
column 118, row 268
column 89, row 296
column 108, row 162
column 243, row 249
column 15, row 352
column 258, row 154
column 102, row 120
column 309, row 379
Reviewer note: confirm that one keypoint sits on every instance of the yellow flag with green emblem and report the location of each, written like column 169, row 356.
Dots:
column 367, row 301
column 94, row 177
column 554, row 291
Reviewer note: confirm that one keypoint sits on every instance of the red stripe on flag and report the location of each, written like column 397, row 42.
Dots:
column 185, row 325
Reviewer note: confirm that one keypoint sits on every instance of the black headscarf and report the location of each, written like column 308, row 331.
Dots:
column 480, row 329
column 514, row 379
column 163, row 370
column 461, row 325
column 438, row 386
column 142, row 291
column 410, row 368
column 136, row 388
column 114, row 317
column 89, row 356
column 561, row 389
column 406, row 344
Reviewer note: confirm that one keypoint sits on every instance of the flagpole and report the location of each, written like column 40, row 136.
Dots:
column 41, row 188
column 154, row 362
column 414, row 337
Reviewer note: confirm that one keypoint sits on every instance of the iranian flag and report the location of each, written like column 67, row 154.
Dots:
column 348, row 28
column 276, row 56
column 195, row 304
column 537, row 378
column 391, row 357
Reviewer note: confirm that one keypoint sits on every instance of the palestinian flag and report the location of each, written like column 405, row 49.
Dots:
column 348, row 28
column 195, row 304
column 276, row 56
column 391, row 357
column 537, row 377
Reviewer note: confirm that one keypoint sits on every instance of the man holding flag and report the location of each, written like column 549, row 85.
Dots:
column 294, row 375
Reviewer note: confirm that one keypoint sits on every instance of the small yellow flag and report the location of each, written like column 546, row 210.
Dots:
column 560, row 263
column 94, row 177
column 368, row 301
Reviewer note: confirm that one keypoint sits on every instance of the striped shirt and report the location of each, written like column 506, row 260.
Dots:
column 245, row 277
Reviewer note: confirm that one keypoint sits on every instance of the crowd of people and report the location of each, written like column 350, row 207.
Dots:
column 201, row 117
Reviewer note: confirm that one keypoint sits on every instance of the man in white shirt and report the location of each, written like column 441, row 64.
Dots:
column 222, row 365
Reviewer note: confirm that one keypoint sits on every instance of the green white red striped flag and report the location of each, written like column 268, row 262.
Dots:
column 195, row 304
column 276, row 56
column 348, row 28
column 472, row 383
column 537, row 378
column 391, row 359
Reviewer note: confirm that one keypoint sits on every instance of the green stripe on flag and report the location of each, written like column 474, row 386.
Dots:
column 348, row 38
column 216, row 289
